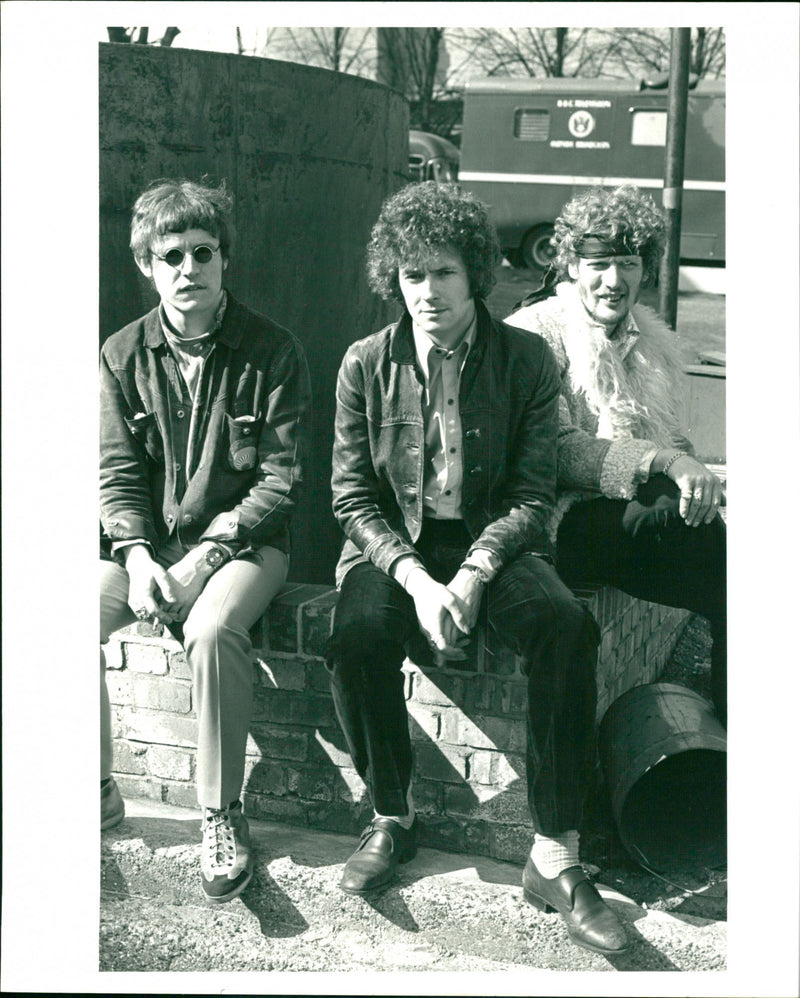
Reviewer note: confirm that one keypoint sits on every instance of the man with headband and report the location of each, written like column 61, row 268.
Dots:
column 635, row 508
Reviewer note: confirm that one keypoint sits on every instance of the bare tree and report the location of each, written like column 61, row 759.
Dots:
column 644, row 52
column 140, row 36
column 414, row 61
column 531, row 51
column 344, row 50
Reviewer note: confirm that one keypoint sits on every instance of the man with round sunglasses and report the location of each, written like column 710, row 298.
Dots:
column 205, row 408
column 635, row 507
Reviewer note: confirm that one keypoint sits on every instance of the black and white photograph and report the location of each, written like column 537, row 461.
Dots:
column 444, row 389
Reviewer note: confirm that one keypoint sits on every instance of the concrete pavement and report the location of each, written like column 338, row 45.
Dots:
column 446, row 912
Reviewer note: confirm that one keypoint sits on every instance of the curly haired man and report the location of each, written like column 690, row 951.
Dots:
column 444, row 470
column 635, row 508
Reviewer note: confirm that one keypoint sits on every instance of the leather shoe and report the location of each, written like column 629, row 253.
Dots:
column 384, row 845
column 590, row 922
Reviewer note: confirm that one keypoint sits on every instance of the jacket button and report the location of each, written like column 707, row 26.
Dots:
column 179, row 413
column 246, row 432
column 188, row 518
column 170, row 517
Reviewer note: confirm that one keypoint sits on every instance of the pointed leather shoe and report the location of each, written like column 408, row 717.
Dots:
column 590, row 922
column 384, row 845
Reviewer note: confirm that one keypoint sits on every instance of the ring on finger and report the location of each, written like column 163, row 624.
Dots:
column 141, row 613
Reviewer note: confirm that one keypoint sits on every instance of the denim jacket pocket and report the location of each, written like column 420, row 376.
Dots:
column 243, row 432
column 145, row 430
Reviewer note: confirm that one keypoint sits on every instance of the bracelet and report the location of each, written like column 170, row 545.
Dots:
column 672, row 460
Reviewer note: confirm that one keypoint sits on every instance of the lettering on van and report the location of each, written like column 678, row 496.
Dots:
column 578, row 102
column 578, row 144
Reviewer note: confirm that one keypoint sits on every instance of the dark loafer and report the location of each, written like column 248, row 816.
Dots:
column 590, row 922
column 384, row 845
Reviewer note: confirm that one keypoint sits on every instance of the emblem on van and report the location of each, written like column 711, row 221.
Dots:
column 581, row 124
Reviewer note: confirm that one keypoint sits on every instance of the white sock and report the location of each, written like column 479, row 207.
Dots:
column 552, row 855
column 404, row 820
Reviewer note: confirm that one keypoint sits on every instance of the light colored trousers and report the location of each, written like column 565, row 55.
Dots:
column 218, row 650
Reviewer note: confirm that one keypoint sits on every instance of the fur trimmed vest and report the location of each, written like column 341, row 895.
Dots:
column 621, row 397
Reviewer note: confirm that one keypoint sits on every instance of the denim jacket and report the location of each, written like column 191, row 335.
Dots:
column 509, row 411
column 251, row 417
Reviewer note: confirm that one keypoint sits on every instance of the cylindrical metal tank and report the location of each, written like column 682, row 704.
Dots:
column 664, row 757
column 309, row 156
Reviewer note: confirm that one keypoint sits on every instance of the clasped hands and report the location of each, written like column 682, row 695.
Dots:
column 446, row 614
column 166, row 595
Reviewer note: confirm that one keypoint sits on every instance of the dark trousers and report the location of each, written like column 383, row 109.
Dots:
column 645, row 548
column 532, row 611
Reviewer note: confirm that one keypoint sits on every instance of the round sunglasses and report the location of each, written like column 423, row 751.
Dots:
column 175, row 257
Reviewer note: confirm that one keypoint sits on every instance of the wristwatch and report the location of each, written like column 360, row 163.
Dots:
column 477, row 571
column 215, row 557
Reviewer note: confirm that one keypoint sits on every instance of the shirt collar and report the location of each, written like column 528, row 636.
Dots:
column 172, row 336
column 423, row 345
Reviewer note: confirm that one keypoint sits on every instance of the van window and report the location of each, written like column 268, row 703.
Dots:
column 531, row 124
column 648, row 127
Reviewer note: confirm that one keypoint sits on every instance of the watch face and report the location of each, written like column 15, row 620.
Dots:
column 214, row 557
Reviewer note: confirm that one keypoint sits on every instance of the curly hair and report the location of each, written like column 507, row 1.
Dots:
column 623, row 213
column 424, row 218
column 177, row 205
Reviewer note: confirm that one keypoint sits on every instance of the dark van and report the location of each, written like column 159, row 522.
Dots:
column 529, row 145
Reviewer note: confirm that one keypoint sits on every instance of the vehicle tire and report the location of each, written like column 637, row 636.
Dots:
column 535, row 251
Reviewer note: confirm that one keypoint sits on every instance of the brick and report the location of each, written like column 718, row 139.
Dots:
column 118, row 685
column 282, row 673
column 461, row 800
column 317, row 677
column 139, row 786
column 476, row 837
column 316, row 711
column 316, row 621
column 275, row 808
column 326, row 748
column 309, row 784
column 429, row 796
column 271, row 704
column 182, row 795
column 348, row 785
column 444, row 692
column 264, row 776
column 157, row 727
column 170, row 763
column 146, row 658
column 442, row 762
column 162, row 694
column 426, row 722
column 273, row 742
column 112, row 652
column 347, row 819
column 178, row 666
column 441, row 833
column 130, row 758
column 511, row 843
column 509, row 698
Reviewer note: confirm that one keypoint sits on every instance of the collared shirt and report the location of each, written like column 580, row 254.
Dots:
column 625, row 336
column 444, row 465
column 443, row 472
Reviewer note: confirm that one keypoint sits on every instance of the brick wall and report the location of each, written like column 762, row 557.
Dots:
column 467, row 722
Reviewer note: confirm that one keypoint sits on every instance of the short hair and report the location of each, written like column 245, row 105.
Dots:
column 177, row 205
column 624, row 213
column 425, row 218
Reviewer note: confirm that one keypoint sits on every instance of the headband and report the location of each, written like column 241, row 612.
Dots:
column 591, row 246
